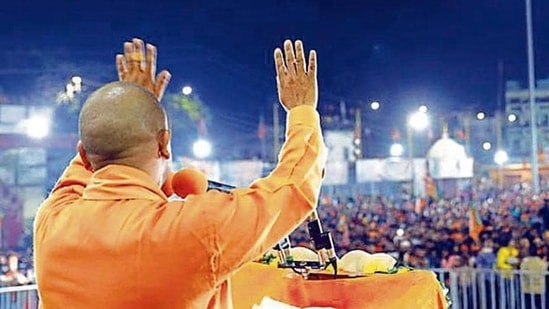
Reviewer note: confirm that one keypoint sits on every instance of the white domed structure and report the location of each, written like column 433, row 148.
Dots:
column 446, row 149
column 448, row 160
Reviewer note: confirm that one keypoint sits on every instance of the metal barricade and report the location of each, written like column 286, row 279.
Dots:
column 19, row 297
column 471, row 288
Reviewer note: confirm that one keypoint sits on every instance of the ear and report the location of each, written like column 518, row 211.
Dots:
column 84, row 156
column 164, row 144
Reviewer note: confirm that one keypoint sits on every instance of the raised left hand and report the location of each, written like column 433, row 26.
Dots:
column 138, row 66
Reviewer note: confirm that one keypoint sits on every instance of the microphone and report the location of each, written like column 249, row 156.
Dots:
column 192, row 181
column 323, row 242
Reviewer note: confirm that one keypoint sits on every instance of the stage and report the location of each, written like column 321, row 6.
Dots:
column 416, row 289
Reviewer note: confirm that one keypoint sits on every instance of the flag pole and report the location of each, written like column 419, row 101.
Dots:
column 276, row 132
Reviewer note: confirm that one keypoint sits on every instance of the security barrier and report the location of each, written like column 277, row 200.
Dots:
column 469, row 288
column 19, row 297
column 472, row 288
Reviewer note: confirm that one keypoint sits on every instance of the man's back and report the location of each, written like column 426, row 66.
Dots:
column 120, row 253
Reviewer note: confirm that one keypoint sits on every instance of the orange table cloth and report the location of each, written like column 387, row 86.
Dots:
column 415, row 289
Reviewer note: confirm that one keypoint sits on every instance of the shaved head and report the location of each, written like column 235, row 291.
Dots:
column 121, row 123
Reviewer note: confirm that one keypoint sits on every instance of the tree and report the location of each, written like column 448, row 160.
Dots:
column 187, row 114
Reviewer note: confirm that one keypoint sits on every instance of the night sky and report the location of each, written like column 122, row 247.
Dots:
column 403, row 53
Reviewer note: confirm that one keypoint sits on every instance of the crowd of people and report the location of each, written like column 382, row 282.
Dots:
column 439, row 235
column 495, row 242
column 16, row 269
column 15, row 254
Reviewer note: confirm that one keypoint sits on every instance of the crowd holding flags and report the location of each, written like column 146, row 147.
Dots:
column 475, row 222
column 430, row 185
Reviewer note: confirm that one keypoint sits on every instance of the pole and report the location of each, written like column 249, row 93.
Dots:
column 499, row 142
column 532, row 97
column 262, row 138
column 498, row 129
column 276, row 133
column 411, row 159
column 467, row 133
column 358, row 133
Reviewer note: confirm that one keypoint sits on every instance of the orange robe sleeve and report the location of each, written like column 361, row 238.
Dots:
column 246, row 223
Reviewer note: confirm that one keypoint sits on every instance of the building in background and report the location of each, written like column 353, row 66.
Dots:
column 27, row 160
column 516, row 123
column 477, row 132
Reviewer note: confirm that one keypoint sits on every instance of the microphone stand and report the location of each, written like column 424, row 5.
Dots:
column 323, row 244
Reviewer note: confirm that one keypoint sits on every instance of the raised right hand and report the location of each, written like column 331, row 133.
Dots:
column 296, row 81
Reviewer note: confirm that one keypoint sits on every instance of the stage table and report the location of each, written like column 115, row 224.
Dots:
column 416, row 289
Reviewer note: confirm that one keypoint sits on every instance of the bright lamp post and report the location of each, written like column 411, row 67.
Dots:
column 202, row 148
column 396, row 150
column 532, row 96
column 37, row 126
column 500, row 157
column 74, row 86
column 417, row 121
column 187, row 90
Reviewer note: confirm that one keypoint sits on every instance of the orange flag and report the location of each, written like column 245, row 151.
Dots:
column 395, row 135
column 460, row 134
column 430, row 186
column 261, row 128
column 419, row 204
column 475, row 223
column 201, row 126
column 343, row 227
